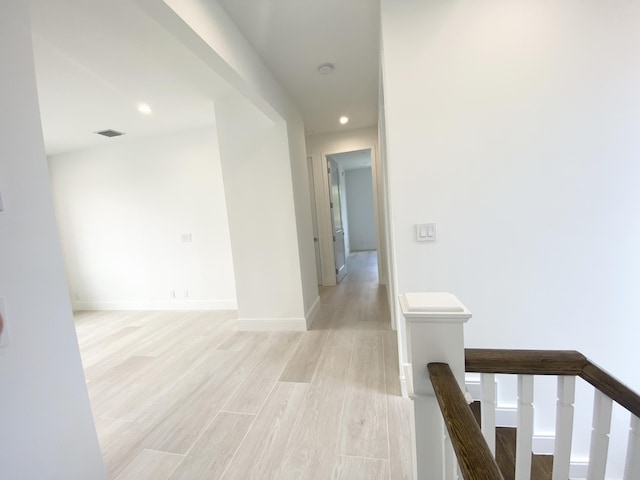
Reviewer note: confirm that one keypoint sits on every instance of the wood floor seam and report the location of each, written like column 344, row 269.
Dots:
column 186, row 396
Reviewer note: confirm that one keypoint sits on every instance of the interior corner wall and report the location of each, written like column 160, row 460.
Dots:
column 122, row 211
column 360, row 205
column 47, row 427
column 259, row 196
column 514, row 127
column 209, row 32
column 304, row 225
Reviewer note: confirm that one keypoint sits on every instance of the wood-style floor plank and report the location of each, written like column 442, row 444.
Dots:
column 401, row 443
column 151, row 465
column 304, row 361
column 189, row 386
column 213, row 451
column 253, row 392
column 311, row 446
column 120, row 443
column 364, row 424
column 357, row 468
column 261, row 452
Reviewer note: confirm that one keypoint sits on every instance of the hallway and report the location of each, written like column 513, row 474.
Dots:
column 183, row 395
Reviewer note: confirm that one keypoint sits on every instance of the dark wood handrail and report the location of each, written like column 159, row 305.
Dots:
column 612, row 387
column 524, row 362
column 474, row 456
column 552, row 362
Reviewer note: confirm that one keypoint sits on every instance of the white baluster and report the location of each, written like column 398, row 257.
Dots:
column 524, row 436
column 599, row 449
column 632, row 465
column 564, row 427
column 488, row 409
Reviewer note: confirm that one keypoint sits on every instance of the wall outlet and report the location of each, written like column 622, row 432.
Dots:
column 4, row 336
column 186, row 294
column 173, row 294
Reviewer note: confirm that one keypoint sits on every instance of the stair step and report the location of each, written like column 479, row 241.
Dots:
column 541, row 465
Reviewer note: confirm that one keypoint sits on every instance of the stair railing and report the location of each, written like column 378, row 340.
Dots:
column 566, row 365
column 435, row 339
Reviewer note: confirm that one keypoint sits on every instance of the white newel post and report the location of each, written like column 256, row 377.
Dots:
column 434, row 334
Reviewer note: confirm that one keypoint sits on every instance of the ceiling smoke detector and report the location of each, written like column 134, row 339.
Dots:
column 325, row 68
column 110, row 133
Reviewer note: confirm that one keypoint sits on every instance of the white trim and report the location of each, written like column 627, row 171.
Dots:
column 543, row 444
column 159, row 305
column 313, row 312
column 474, row 388
column 272, row 324
column 406, row 380
column 579, row 469
column 329, row 281
column 506, row 417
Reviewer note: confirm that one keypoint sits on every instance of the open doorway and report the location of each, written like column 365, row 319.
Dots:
column 348, row 209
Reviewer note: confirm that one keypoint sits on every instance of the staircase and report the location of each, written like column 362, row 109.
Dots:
column 476, row 450
column 541, row 465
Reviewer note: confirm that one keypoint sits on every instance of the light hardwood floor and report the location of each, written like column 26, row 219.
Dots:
column 184, row 396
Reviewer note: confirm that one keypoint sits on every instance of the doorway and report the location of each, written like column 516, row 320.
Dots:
column 352, row 203
column 337, row 221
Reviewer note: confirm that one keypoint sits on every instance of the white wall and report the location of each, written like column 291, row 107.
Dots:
column 122, row 210
column 260, row 201
column 514, row 127
column 360, row 205
column 46, row 429
column 318, row 147
column 207, row 30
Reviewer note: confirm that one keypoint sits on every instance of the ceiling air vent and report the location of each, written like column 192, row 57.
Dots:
column 110, row 133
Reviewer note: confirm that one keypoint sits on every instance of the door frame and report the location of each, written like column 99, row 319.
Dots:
column 314, row 218
column 325, row 233
column 333, row 168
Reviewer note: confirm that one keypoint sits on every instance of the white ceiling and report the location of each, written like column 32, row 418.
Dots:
column 96, row 61
column 294, row 37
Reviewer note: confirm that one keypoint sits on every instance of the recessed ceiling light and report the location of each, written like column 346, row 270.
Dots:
column 344, row 120
column 144, row 108
column 110, row 133
column 325, row 68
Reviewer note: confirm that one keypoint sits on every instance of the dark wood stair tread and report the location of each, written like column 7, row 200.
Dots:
column 541, row 465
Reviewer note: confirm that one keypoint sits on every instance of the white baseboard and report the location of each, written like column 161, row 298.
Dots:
column 578, row 469
column 506, row 417
column 329, row 281
column 543, row 444
column 313, row 312
column 272, row 324
column 406, row 380
column 474, row 388
column 160, row 305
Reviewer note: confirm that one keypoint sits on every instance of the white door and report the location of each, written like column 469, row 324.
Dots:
column 336, row 221
column 314, row 219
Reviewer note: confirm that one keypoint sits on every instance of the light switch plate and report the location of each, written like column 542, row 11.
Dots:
column 426, row 232
column 4, row 336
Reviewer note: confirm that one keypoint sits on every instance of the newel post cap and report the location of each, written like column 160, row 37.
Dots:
column 433, row 307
